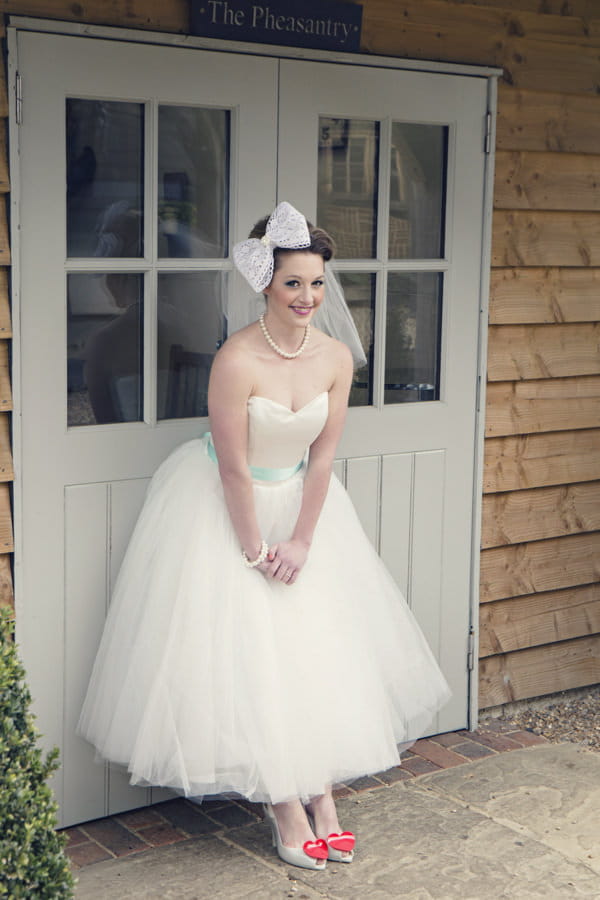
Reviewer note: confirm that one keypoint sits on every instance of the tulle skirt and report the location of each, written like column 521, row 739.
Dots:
column 211, row 679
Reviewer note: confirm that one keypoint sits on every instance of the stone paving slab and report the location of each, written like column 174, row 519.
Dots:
column 552, row 795
column 418, row 844
column 479, row 832
column 203, row 869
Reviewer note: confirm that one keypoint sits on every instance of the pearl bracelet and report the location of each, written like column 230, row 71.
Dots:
column 264, row 551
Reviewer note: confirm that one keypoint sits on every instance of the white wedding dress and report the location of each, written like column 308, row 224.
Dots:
column 212, row 679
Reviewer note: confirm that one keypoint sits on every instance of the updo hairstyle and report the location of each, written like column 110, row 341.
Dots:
column 321, row 242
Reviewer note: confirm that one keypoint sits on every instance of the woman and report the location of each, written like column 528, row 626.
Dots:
column 272, row 654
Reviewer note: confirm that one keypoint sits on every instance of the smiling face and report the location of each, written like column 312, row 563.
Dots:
column 297, row 288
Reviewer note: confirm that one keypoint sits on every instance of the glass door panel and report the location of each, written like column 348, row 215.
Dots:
column 105, row 339
column 359, row 289
column 193, row 182
column 417, row 190
column 190, row 331
column 105, row 178
column 347, row 184
column 413, row 325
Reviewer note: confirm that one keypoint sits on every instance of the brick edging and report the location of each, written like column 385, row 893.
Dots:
column 177, row 820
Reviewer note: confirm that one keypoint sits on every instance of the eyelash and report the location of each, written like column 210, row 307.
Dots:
column 293, row 283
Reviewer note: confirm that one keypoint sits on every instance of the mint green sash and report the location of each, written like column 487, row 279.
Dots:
column 258, row 472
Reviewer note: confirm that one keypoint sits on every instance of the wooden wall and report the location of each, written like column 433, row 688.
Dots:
column 540, row 561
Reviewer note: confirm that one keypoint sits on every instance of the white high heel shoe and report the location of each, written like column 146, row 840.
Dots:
column 311, row 855
column 340, row 845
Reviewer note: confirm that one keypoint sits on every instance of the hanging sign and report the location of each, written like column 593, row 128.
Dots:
column 319, row 24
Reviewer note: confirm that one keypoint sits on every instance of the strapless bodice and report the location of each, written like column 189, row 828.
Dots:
column 278, row 437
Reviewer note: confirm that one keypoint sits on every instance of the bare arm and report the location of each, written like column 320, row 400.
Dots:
column 290, row 556
column 322, row 453
column 228, row 394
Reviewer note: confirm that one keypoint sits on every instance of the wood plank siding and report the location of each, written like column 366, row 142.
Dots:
column 540, row 558
column 540, row 569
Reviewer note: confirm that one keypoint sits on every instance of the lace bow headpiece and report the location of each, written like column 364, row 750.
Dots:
column 287, row 229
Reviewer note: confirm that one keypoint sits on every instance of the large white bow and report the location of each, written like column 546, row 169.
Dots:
column 287, row 229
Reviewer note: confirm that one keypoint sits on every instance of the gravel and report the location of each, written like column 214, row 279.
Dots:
column 564, row 717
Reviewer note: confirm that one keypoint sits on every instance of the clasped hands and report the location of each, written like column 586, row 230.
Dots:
column 285, row 560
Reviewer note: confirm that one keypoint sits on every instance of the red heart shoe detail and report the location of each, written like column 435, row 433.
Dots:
column 343, row 841
column 316, row 849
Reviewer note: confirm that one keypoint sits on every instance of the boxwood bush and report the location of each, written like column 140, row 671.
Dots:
column 33, row 864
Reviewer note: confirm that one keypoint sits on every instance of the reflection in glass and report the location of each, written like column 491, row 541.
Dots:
column 417, row 191
column 347, row 184
column 105, row 328
column 359, row 290
column 105, row 178
column 190, row 331
column 193, row 176
column 412, row 348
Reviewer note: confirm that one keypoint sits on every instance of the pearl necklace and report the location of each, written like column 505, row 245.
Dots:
column 276, row 347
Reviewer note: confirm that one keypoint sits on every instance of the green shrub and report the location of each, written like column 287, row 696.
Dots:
column 33, row 864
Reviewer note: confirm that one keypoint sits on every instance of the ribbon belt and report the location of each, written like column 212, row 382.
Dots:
column 258, row 472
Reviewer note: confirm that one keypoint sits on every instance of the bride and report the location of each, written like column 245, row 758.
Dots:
column 256, row 644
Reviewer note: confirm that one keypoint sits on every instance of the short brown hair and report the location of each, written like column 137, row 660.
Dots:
column 321, row 242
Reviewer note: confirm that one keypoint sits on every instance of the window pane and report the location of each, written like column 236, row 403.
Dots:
column 347, row 184
column 412, row 351
column 193, row 179
column 417, row 191
column 190, row 331
column 359, row 289
column 105, row 329
column 105, row 178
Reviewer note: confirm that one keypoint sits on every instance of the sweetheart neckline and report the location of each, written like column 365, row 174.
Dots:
column 294, row 412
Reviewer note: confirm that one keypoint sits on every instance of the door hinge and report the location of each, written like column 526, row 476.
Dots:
column 471, row 649
column 487, row 141
column 19, row 98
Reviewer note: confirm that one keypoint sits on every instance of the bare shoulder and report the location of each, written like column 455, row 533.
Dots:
column 235, row 353
column 232, row 370
column 338, row 352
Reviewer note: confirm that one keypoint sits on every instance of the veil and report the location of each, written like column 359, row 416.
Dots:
column 333, row 316
column 335, row 319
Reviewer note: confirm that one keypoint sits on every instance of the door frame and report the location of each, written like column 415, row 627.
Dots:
column 490, row 74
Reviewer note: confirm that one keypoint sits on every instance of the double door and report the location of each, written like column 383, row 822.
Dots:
column 139, row 167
